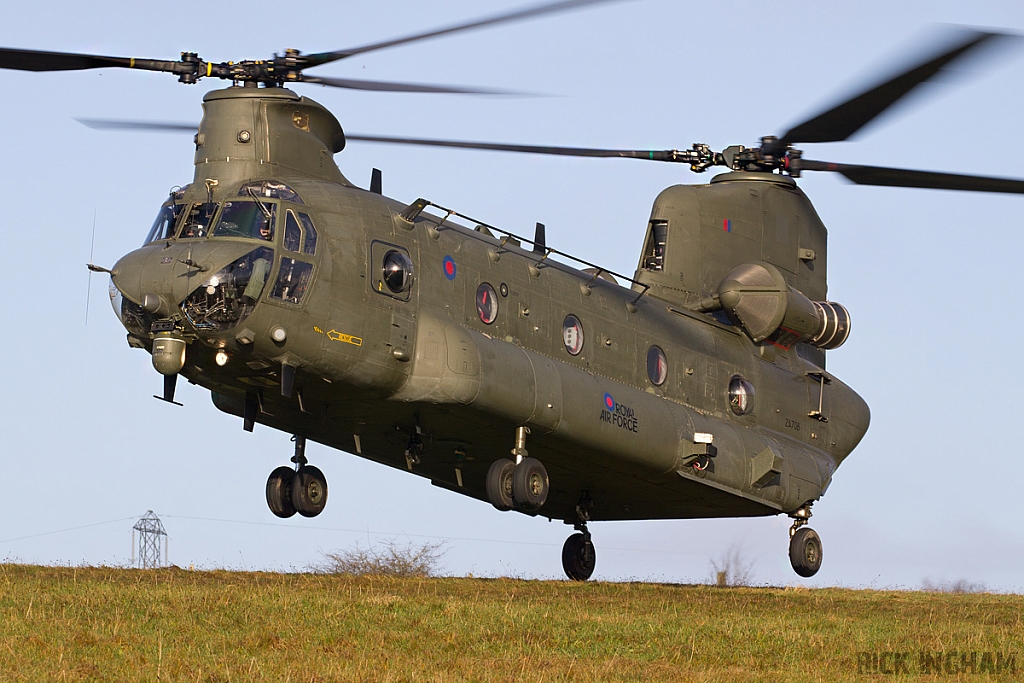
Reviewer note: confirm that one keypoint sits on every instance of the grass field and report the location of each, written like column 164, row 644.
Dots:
column 74, row 624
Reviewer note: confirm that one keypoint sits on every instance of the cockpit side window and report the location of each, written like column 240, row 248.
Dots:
column 249, row 219
column 163, row 226
column 292, row 280
column 197, row 220
column 309, row 246
column 292, row 233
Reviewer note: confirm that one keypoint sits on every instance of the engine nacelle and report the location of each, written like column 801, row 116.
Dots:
column 756, row 297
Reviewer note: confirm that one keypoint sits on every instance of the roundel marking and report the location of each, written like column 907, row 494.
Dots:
column 448, row 266
column 609, row 402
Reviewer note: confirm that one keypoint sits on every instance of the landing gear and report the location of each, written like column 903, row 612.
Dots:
column 309, row 491
column 805, row 552
column 530, row 485
column 521, row 484
column 579, row 556
column 279, row 491
column 302, row 490
column 804, row 544
column 499, row 484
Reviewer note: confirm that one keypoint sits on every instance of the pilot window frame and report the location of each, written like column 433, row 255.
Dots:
column 307, row 233
column 211, row 218
column 258, row 208
column 168, row 230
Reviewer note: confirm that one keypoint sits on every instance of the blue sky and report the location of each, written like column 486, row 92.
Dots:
column 930, row 278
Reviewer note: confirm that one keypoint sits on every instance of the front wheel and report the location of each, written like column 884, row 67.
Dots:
column 805, row 552
column 309, row 491
column 579, row 557
column 530, row 485
column 499, row 484
column 279, row 492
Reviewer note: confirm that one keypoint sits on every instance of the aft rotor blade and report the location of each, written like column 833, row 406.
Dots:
column 38, row 60
column 665, row 155
column 325, row 57
column 153, row 126
column 902, row 177
column 386, row 86
column 845, row 119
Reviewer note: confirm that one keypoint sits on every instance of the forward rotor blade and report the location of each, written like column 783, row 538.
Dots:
column 152, row 126
column 325, row 57
column 845, row 119
column 901, row 177
column 667, row 155
column 384, row 86
column 37, row 60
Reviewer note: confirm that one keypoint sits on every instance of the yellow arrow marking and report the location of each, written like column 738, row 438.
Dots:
column 334, row 335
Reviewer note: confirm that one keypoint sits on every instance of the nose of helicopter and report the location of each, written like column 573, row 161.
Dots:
column 159, row 278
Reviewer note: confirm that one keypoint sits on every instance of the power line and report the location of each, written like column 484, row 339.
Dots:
column 73, row 528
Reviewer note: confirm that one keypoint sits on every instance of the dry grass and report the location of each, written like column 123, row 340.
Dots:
column 75, row 624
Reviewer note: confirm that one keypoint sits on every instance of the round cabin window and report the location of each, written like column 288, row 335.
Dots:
column 572, row 335
column 486, row 303
column 741, row 396
column 657, row 366
column 397, row 272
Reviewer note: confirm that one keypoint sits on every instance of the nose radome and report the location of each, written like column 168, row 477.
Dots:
column 159, row 276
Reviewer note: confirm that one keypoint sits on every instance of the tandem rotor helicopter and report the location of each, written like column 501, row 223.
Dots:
column 498, row 367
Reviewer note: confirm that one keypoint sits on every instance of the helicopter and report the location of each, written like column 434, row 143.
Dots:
column 660, row 391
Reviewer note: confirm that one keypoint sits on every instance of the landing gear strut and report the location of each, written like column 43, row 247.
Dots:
column 804, row 544
column 520, row 484
column 302, row 490
column 579, row 557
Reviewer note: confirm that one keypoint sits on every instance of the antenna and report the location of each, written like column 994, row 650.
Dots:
column 150, row 529
column 88, row 287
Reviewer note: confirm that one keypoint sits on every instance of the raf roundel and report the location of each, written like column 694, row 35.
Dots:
column 609, row 402
column 448, row 267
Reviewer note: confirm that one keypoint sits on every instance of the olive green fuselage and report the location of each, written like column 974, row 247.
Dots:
column 417, row 380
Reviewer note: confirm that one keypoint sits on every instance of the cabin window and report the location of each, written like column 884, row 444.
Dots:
column 486, row 303
column 292, row 280
column 741, row 395
column 197, row 220
column 657, row 366
column 654, row 250
column 397, row 271
column 572, row 335
column 252, row 220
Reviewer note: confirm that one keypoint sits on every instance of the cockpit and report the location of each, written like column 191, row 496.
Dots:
column 267, row 213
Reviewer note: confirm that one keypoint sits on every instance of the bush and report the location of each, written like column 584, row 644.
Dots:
column 387, row 559
column 958, row 586
column 732, row 568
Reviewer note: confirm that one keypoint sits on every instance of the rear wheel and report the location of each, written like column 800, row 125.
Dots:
column 499, row 484
column 578, row 557
column 805, row 552
column 309, row 491
column 279, row 492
